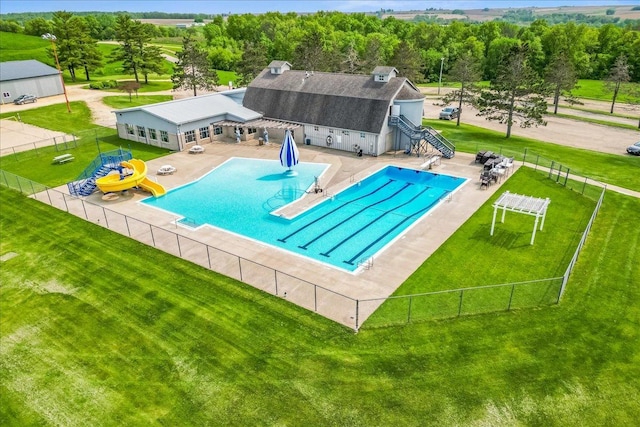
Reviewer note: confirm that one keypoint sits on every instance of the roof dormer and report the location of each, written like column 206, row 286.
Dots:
column 384, row 74
column 279, row 67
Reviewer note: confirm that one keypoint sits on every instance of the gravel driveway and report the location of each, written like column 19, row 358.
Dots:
column 562, row 131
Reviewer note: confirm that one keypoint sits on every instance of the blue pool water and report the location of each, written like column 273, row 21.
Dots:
column 241, row 194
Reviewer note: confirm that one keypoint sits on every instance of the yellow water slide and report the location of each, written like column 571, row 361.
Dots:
column 114, row 182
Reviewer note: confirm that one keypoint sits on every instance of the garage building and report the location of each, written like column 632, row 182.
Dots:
column 28, row 77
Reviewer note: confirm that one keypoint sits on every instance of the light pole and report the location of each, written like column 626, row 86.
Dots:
column 52, row 38
column 440, row 79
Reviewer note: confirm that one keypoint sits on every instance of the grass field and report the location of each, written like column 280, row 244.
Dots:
column 620, row 170
column 93, row 334
column 596, row 89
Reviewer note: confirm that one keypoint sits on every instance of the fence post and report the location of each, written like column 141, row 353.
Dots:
column 315, row 298
column 550, row 168
column 178, row 240
column 357, row 313
column 460, row 304
column 240, row 267
column 84, row 208
column 409, row 310
column 153, row 239
column 126, row 221
column 524, row 157
column 106, row 220
column 275, row 278
column 513, row 287
column 208, row 256
column 46, row 190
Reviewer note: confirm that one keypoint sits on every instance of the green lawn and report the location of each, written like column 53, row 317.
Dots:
column 595, row 89
column 19, row 47
column 106, row 331
column 621, row 170
column 98, row 329
column 121, row 102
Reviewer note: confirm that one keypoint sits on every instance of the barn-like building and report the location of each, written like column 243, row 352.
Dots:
column 371, row 114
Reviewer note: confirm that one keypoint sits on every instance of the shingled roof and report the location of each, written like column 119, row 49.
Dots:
column 346, row 101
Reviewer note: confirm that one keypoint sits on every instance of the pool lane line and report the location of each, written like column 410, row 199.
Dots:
column 306, row 245
column 350, row 262
column 370, row 223
column 284, row 239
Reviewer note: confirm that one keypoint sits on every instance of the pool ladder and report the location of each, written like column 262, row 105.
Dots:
column 366, row 263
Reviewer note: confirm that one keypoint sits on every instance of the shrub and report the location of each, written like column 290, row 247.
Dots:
column 458, row 12
column 107, row 84
column 611, row 11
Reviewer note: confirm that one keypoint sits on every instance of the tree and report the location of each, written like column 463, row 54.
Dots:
column 129, row 87
column 467, row 71
column 135, row 51
column 37, row 27
column 618, row 75
column 253, row 61
column 516, row 95
column 192, row 70
column 561, row 76
column 407, row 61
column 309, row 54
column 125, row 34
column 72, row 39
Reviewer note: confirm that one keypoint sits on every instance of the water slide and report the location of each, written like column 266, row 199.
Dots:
column 115, row 182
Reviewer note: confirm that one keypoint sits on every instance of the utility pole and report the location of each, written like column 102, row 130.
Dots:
column 52, row 38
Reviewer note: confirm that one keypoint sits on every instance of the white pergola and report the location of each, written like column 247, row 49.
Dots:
column 521, row 204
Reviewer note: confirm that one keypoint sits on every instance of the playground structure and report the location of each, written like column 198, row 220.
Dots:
column 137, row 178
column 104, row 166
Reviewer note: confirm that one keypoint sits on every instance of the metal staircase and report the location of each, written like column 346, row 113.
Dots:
column 85, row 184
column 420, row 136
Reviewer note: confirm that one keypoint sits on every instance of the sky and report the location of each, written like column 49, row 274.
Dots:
column 260, row 6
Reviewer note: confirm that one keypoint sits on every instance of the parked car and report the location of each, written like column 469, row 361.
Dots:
column 449, row 113
column 25, row 99
column 634, row 149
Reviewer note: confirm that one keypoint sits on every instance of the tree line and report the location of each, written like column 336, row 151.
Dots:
column 357, row 42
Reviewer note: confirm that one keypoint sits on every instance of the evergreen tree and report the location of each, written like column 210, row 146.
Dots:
column 561, row 76
column 193, row 70
column 406, row 59
column 253, row 61
column 517, row 95
column 466, row 71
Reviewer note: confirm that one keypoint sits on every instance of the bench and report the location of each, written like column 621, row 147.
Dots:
column 63, row 159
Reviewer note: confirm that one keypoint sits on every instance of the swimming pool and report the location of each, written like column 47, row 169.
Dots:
column 241, row 195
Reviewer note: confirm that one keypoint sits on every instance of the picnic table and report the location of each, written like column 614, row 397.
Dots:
column 64, row 158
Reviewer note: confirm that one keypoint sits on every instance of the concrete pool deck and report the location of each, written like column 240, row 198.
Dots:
column 381, row 278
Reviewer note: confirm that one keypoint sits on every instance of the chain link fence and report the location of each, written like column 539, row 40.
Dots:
column 343, row 309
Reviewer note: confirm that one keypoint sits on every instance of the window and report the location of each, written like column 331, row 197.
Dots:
column 190, row 135
column 204, row 132
column 6, row 95
column 141, row 132
column 345, row 132
column 380, row 77
column 164, row 136
column 129, row 129
column 330, row 130
column 251, row 130
column 152, row 134
column 361, row 134
column 316, row 128
column 217, row 130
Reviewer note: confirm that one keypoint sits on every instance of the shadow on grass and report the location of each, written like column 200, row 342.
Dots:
column 502, row 238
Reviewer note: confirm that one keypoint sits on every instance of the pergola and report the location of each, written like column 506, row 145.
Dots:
column 521, row 204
